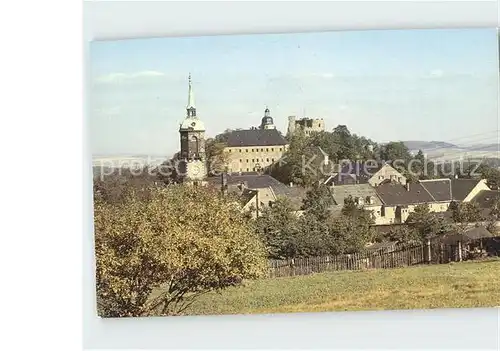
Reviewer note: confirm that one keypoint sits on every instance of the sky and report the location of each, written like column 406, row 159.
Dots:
column 386, row 85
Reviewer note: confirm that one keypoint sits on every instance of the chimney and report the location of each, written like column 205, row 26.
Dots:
column 223, row 183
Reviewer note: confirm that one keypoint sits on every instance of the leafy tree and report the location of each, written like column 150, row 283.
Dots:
column 279, row 228
column 492, row 175
column 318, row 202
column 181, row 242
column 426, row 223
column 350, row 209
column 403, row 234
column 348, row 234
column 344, row 142
column 113, row 187
column 396, row 150
column 466, row 212
column 217, row 158
column 495, row 209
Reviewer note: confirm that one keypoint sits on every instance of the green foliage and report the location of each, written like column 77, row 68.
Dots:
column 318, row 202
column 113, row 188
column 403, row 234
column 217, row 158
column 495, row 209
column 182, row 241
column 396, row 150
column 426, row 223
column 279, row 228
column 303, row 163
column 466, row 212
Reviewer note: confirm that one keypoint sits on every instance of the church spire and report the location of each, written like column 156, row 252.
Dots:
column 191, row 109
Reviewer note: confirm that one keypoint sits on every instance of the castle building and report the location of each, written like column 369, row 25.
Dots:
column 255, row 149
column 307, row 125
column 192, row 159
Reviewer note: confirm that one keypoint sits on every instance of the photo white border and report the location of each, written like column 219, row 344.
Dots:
column 434, row 329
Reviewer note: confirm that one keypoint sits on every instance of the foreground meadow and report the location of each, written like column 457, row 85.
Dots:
column 466, row 284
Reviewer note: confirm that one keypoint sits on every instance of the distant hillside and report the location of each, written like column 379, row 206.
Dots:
column 426, row 145
column 485, row 147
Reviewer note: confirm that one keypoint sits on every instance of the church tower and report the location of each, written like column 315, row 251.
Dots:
column 192, row 158
column 267, row 121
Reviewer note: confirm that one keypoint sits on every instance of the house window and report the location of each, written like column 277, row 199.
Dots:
column 240, row 150
column 267, row 160
column 399, row 179
column 280, row 149
column 262, row 150
column 267, row 149
column 272, row 149
column 252, row 150
column 241, row 160
column 246, row 150
column 229, row 150
column 248, row 169
column 272, row 160
column 253, row 160
column 247, row 160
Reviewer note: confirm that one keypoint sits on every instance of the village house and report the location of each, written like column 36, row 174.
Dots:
column 464, row 190
column 363, row 195
column 399, row 200
column 258, row 191
column 372, row 173
column 485, row 199
column 255, row 149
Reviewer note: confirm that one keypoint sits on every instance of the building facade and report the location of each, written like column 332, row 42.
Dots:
column 192, row 158
column 307, row 125
column 253, row 150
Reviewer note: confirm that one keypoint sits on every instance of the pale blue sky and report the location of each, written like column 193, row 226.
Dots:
column 385, row 85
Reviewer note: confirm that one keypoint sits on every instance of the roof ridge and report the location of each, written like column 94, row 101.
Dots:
column 428, row 192
column 434, row 180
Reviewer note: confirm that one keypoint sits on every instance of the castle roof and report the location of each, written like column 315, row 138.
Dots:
column 255, row 137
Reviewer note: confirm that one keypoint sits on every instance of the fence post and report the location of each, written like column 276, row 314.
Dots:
column 428, row 244
column 459, row 251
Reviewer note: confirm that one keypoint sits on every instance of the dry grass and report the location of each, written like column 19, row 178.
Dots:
column 468, row 284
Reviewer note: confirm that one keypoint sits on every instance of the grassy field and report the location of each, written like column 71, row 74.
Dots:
column 467, row 284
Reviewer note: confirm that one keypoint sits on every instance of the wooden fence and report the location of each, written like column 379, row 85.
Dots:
column 394, row 257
